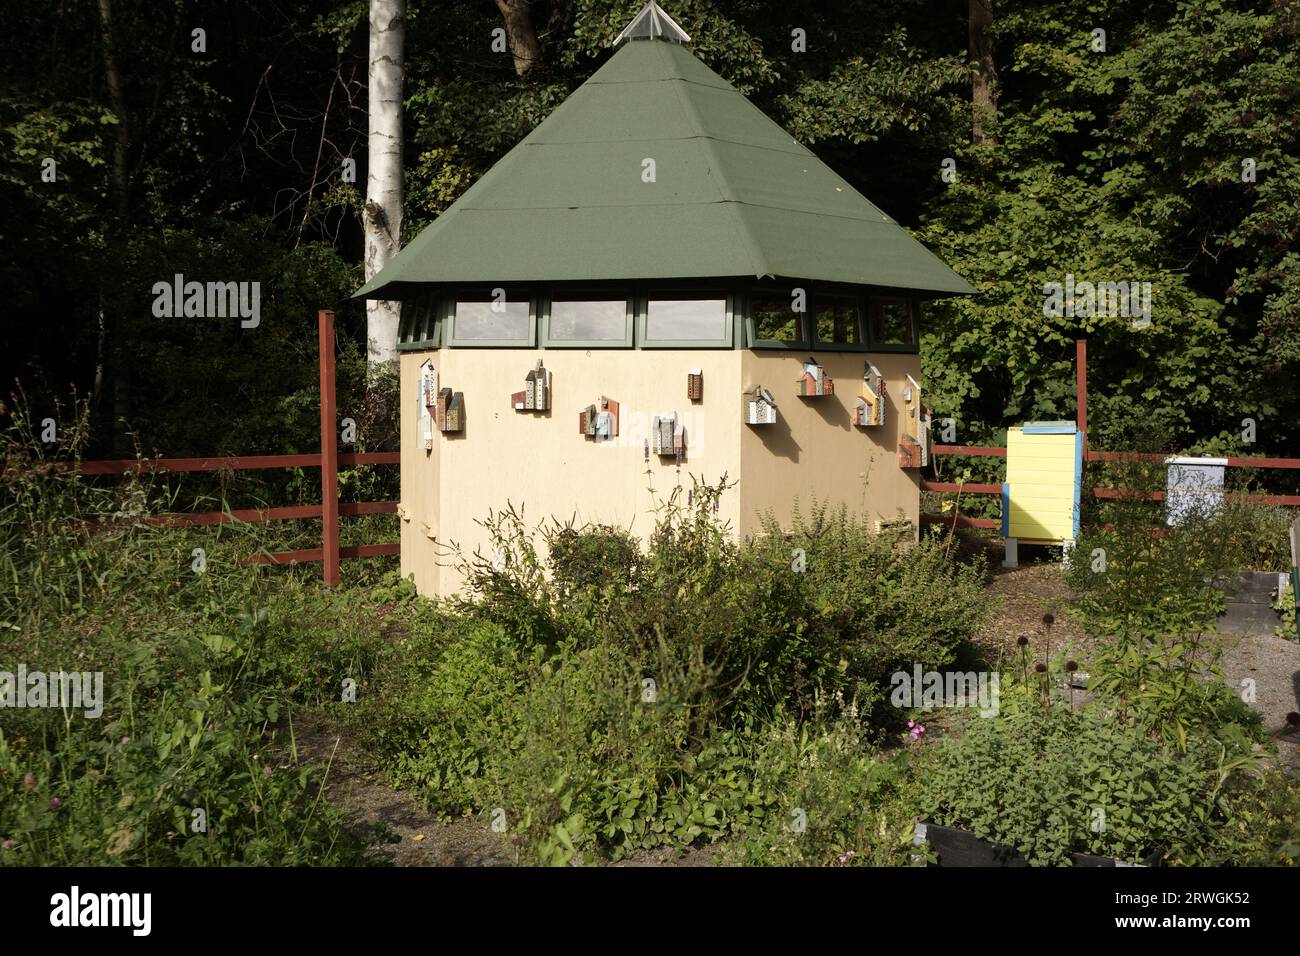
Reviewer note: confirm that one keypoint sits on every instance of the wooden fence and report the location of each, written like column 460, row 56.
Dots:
column 329, row 460
column 1081, row 386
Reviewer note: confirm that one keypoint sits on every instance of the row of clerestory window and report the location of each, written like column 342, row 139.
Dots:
column 765, row 316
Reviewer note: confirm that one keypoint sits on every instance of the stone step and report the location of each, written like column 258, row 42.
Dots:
column 1243, row 618
column 1248, row 587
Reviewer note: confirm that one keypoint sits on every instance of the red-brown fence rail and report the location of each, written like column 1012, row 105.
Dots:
column 329, row 460
column 1081, row 386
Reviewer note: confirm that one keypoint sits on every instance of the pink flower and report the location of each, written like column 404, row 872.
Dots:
column 55, row 803
column 7, row 844
column 911, row 724
column 29, row 780
column 266, row 772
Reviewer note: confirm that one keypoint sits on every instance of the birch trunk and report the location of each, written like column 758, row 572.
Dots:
column 382, row 217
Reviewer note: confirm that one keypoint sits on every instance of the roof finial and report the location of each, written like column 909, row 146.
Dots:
column 653, row 24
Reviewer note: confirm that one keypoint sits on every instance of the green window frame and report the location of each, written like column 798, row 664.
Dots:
column 874, row 306
column 457, row 340
column 420, row 326
column 858, row 326
column 624, row 341
column 726, row 338
column 802, row 342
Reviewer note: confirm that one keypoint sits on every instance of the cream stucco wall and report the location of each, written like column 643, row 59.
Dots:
column 814, row 451
column 539, row 462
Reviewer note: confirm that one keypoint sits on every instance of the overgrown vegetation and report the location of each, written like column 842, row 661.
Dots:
column 595, row 697
column 1165, row 761
column 609, row 700
column 191, row 760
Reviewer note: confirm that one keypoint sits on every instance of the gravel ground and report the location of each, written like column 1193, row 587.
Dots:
column 1274, row 665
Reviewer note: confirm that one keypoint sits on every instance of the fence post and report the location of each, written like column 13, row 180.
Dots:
column 1081, row 390
column 329, row 454
column 1295, row 571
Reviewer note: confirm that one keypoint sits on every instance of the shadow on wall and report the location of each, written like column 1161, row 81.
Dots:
column 779, row 439
column 831, row 409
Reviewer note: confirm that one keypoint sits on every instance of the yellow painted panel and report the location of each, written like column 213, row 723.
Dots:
column 1041, row 478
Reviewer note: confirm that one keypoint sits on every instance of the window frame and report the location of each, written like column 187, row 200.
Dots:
column 420, row 326
column 913, row 310
column 726, row 341
column 547, row 299
column 816, row 344
column 802, row 344
column 513, row 294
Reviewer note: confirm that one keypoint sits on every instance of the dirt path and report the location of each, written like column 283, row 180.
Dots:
column 405, row 834
column 402, row 832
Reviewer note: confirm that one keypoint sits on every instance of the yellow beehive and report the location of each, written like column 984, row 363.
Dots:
column 1040, row 498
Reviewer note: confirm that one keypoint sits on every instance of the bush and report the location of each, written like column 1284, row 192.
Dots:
column 189, row 762
column 1259, row 824
column 863, row 605
column 449, row 722
column 608, row 700
column 837, row 802
column 180, row 770
column 1052, row 783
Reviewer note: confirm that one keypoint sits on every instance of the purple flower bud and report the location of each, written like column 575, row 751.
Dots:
column 55, row 803
column 29, row 780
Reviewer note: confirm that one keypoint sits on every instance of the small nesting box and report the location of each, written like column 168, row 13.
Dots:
column 536, row 396
column 695, row 385
column 599, row 421
column 667, row 436
column 760, row 407
column 814, row 382
column 914, row 443
column 428, row 404
column 869, row 410
column 451, row 410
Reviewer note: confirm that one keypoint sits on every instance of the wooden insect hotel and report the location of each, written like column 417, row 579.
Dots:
column 656, row 222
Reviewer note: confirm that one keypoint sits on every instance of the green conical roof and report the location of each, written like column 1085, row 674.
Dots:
column 734, row 195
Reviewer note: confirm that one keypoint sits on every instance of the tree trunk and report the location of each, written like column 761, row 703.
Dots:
column 521, row 34
column 118, row 186
column 382, row 217
column 984, row 73
column 122, row 141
